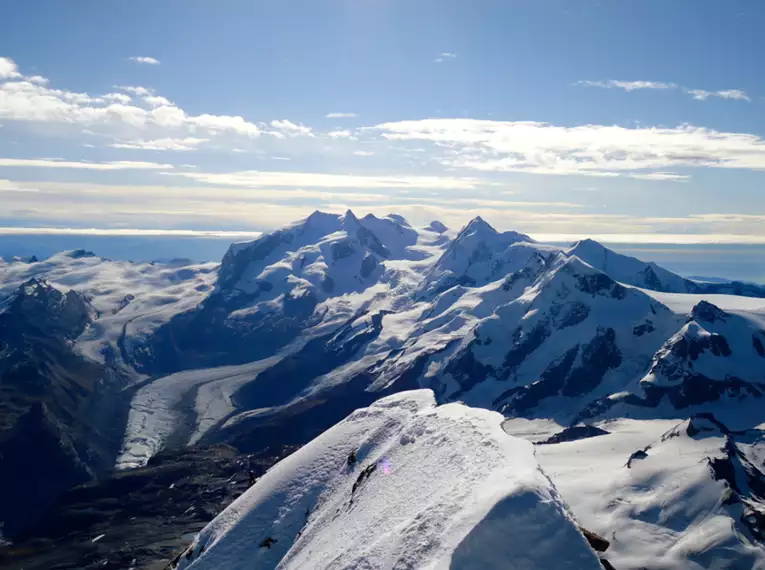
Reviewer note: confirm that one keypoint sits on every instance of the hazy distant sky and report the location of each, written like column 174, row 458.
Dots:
column 633, row 121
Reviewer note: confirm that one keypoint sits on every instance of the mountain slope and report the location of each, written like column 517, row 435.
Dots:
column 430, row 487
column 630, row 270
column 296, row 330
column 317, row 272
column 478, row 255
column 59, row 414
column 648, row 275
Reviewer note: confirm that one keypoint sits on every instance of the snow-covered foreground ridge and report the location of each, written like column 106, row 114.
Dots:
column 432, row 487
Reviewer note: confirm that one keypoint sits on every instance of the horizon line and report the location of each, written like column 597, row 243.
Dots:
column 639, row 238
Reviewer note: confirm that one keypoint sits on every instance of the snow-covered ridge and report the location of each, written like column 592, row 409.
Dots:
column 431, row 487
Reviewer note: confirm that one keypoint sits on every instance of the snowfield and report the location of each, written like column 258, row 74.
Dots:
column 433, row 487
column 132, row 299
column 665, row 510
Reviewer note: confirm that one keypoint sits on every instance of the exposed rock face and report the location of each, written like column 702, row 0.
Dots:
column 598, row 543
column 58, row 426
column 40, row 308
column 708, row 313
column 565, row 377
column 740, row 467
column 574, row 433
column 145, row 515
column 38, row 462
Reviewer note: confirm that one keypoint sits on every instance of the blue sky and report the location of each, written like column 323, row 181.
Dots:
column 637, row 121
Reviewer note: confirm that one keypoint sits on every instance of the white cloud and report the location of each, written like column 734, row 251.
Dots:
column 262, row 179
column 39, row 79
column 82, row 165
column 8, row 69
column 290, row 129
column 73, row 204
column 734, row 94
column 188, row 143
column 653, row 238
column 445, row 56
column 340, row 116
column 592, row 150
column 124, row 232
column 144, row 59
column 223, row 123
column 117, row 98
column 660, row 176
column 156, row 100
column 627, row 85
column 343, row 134
column 112, row 113
column 363, row 153
column 731, row 94
column 135, row 90
column 9, row 186
column 698, row 94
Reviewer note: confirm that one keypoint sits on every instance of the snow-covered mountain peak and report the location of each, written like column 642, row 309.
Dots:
column 630, row 270
column 350, row 221
column 39, row 305
column 436, row 226
column 479, row 255
column 426, row 487
column 586, row 247
column 478, row 225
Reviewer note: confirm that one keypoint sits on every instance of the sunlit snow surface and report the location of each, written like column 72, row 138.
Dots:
column 132, row 299
column 665, row 511
column 449, row 489
column 188, row 404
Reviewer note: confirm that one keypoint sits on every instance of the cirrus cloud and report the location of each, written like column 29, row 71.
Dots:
column 698, row 94
column 188, row 143
column 145, row 60
column 82, row 165
column 340, row 116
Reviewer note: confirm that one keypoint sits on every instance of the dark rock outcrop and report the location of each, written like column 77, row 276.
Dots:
column 574, row 433
column 597, row 542
column 145, row 515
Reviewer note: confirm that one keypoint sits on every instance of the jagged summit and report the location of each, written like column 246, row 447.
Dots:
column 350, row 218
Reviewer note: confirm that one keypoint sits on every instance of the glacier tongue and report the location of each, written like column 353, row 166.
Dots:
column 432, row 487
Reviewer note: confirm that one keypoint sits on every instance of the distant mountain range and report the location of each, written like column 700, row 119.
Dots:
column 109, row 363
